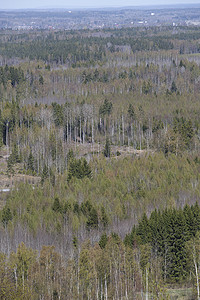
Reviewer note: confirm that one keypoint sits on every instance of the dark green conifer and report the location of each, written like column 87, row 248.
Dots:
column 104, row 217
column 30, row 163
column 6, row 216
column 45, row 173
column 41, row 80
column 107, row 148
column 15, row 155
column 1, row 129
column 103, row 240
column 131, row 112
column 173, row 87
column 56, row 205
column 10, row 166
column 92, row 221
column 144, row 230
column 75, row 242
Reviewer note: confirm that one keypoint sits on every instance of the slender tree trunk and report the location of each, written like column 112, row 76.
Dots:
column 197, row 275
column 106, row 292
column 122, row 130
column 147, row 284
column 7, row 138
column 80, row 131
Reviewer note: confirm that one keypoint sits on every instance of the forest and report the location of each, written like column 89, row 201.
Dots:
column 99, row 164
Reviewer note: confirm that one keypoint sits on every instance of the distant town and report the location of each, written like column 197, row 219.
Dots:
column 64, row 19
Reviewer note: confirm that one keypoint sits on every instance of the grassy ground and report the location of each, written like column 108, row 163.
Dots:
column 181, row 294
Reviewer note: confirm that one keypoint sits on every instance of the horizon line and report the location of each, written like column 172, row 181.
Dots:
column 102, row 7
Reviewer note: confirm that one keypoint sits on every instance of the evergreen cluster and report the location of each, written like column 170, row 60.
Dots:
column 12, row 74
column 135, row 90
column 78, row 168
column 167, row 233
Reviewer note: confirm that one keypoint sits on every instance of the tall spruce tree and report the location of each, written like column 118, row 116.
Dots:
column 107, row 150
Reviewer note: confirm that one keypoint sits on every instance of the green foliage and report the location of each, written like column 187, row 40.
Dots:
column 15, row 75
column 173, row 87
column 75, row 242
column 167, row 233
column 107, row 149
column 6, row 216
column 147, row 88
column 103, row 240
column 104, row 217
column 15, row 155
column 1, row 129
column 78, row 168
column 90, row 212
column 45, row 174
column 118, row 188
column 23, row 260
column 41, row 80
column 10, row 166
column 57, row 113
column 105, row 108
column 137, row 113
column 118, row 153
column 185, row 129
column 52, row 141
column 131, row 111
column 57, row 207
column 12, row 160
column 92, row 221
column 144, row 230
column 157, row 125
column 70, row 156
column 30, row 163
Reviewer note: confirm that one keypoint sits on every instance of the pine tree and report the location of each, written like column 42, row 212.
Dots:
column 10, row 166
column 78, row 168
column 85, row 169
column 104, row 217
column 41, row 80
column 56, row 205
column 131, row 112
column 45, row 173
column 92, row 221
column 144, row 230
column 15, row 155
column 1, row 129
column 70, row 156
column 190, row 221
column 193, row 251
column 6, row 216
column 107, row 149
column 176, row 255
column 103, row 240
column 75, row 242
column 106, row 108
column 196, row 216
column 173, row 87
column 30, row 163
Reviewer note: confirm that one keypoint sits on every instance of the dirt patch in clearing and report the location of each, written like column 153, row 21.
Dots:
column 7, row 182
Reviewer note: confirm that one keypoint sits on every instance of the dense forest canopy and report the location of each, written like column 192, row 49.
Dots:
column 99, row 163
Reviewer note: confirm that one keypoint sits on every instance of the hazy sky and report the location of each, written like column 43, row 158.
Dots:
column 13, row 4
